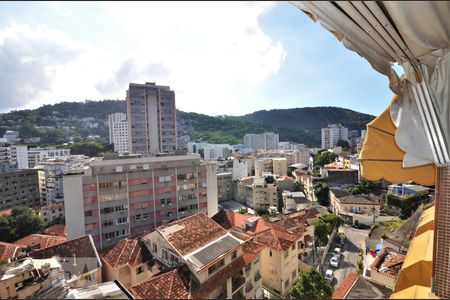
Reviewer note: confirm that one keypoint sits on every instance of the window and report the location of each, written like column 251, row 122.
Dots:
column 216, row 267
column 256, row 260
column 233, row 255
column 293, row 247
column 139, row 270
column 286, row 284
column 107, row 223
column 110, row 235
column 294, row 273
column 121, row 208
column 145, row 216
column 248, row 268
column 270, row 253
column 107, row 210
column 122, row 220
column 138, row 217
column 155, row 248
column 165, row 255
column 286, row 253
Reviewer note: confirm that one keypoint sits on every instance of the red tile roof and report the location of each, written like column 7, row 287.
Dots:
column 228, row 219
column 173, row 284
column 345, row 286
column 130, row 252
column 57, row 230
column 277, row 239
column 191, row 233
column 43, row 240
column 8, row 250
column 250, row 251
column 5, row 212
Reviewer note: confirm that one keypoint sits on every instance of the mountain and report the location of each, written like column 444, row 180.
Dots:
column 55, row 123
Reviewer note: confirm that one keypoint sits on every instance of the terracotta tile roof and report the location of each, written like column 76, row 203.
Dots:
column 173, row 284
column 77, row 256
column 43, row 240
column 8, row 250
column 50, row 206
column 191, row 233
column 228, row 219
column 388, row 262
column 57, row 229
column 345, row 286
column 276, row 239
column 382, row 288
column 250, row 251
column 130, row 252
column 5, row 212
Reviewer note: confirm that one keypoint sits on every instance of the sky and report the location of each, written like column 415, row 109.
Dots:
column 220, row 58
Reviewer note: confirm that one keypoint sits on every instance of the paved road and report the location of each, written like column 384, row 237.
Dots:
column 350, row 253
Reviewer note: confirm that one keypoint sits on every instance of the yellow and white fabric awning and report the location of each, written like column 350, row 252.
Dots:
column 417, row 36
column 381, row 158
column 413, row 292
column 426, row 221
column 417, row 267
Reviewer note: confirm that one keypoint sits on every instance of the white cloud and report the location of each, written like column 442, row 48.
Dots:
column 202, row 50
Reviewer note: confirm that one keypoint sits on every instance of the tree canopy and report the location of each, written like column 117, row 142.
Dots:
column 324, row 158
column 22, row 222
column 311, row 285
column 321, row 190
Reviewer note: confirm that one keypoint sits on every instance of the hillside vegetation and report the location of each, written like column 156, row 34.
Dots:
column 56, row 123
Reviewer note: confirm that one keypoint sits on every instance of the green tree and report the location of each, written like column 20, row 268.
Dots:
column 262, row 211
column 321, row 190
column 89, row 149
column 324, row 158
column 331, row 219
column 24, row 221
column 321, row 230
column 243, row 210
column 4, row 228
column 311, row 285
column 342, row 143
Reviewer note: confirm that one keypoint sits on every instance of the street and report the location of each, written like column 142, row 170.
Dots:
column 350, row 253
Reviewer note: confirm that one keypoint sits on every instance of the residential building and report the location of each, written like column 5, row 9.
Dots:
column 292, row 201
column 358, row 287
column 242, row 167
column 386, row 267
column 52, row 212
column 339, row 177
column 37, row 155
column 151, row 115
column 13, row 157
column 128, row 261
column 78, row 258
column 202, row 260
column 56, row 230
column 264, row 166
column 225, row 187
column 257, row 192
column 114, row 198
column 210, row 151
column 11, row 136
column 8, row 251
column 332, row 134
column 279, row 166
column 113, row 118
column 284, row 242
column 118, row 132
column 21, row 188
column 265, row 141
column 407, row 190
column 355, row 208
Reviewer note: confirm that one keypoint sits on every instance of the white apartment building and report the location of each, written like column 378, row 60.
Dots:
column 13, row 156
column 225, row 190
column 242, row 167
column 151, row 115
column 265, row 141
column 263, row 166
column 118, row 132
column 332, row 134
column 36, row 155
column 210, row 151
column 257, row 192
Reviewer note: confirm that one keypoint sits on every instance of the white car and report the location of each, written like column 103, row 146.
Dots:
column 334, row 261
column 337, row 251
column 329, row 276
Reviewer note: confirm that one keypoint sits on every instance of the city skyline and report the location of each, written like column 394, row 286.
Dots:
column 271, row 51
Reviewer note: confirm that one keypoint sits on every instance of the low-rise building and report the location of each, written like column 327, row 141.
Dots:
column 36, row 155
column 407, row 190
column 9, row 251
column 128, row 261
column 52, row 212
column 263, row 166
column 36, row 241
column 358, row 287
column 339, row 177
column 292, row 201
column 225, row 187
column 279, row 166
column 202, row 260
column 386, row 267
column 258, row 192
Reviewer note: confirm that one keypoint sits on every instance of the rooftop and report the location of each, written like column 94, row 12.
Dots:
column 358, row 287
column 56, row 229
column 191, row 233
column 131, row 252
column 8, row 251
column 277, row 239
column 339, row 193
column 360, row 199
column 42, row 240
column 388, row 262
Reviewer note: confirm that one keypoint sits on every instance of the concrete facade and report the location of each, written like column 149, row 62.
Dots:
column 21, row 188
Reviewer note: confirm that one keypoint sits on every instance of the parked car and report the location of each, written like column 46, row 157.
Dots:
column 337, row 251
column 361, row 226
column 334, row 261
column 329, row 276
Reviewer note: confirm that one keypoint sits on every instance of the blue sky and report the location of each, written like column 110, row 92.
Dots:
column 220, row 58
